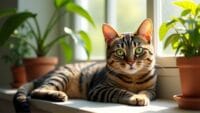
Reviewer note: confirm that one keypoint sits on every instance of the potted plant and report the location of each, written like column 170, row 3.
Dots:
column 184, row 38
column 17, row 50
column 42, row 45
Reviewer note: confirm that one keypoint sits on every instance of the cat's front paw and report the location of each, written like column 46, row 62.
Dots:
column 51, row 95
column 139, row 100
column 58, row 96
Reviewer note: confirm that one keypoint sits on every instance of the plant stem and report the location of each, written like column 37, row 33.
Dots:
column 30, row 44
column 37, row 27
column 49, row 23
column 50, row 44
column 32, row 30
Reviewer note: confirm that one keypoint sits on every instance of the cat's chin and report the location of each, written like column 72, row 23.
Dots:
column 128, row 71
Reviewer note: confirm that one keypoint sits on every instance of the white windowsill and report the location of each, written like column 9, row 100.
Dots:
column 74, row 106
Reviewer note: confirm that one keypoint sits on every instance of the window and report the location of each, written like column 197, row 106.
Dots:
column 124, row 16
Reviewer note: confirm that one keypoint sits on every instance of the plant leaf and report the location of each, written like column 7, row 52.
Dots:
column 185, row 12
column 164, row 28
column 172, row 39
column 186, row 4
column 61, row 3
column 72, row 34
column 74, row 8
column 48, row 46
column 178, row 48
column 12, row 23
column 87, row 42
column 197, row 10
column 67, row 50
column 7, row 12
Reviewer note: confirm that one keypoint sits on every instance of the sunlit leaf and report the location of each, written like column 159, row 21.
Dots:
column 185, row 12
column 67, row 50
column 74, row 8
column 164, row 28
column 178, row 48
column 186, row 4
column 61, row 3
column 197, row 10
column 71, row 33
column 87, row 42
column 172, row 39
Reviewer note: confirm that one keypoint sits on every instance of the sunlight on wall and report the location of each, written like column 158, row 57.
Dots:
column 130, row 13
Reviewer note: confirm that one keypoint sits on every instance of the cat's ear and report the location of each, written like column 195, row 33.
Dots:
column 109, row 33
column 145, row 30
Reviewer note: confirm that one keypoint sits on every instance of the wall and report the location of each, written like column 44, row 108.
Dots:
column 5, row 75
column 44, row 9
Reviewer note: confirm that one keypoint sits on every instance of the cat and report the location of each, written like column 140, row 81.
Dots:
column 128, row 76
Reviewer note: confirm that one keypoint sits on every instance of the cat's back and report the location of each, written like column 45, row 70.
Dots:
column 80, row 76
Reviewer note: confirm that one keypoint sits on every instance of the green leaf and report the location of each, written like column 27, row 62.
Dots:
column 178, row 48
column 164, row 28
column 87, row 42
column 74, row 8
column 61, row 3
column 53, row 42
column 12, row 23
column 185, row 12
column 7, row 12
column 69, row 31
column 172, row 39
column 186, row 4
column 67, row 50
column 197, row 10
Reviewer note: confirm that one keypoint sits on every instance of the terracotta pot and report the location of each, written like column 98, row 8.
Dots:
column 189, row 69
column 37, row 67
column 19, row 76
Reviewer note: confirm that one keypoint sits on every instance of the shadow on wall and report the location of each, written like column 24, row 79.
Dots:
column 5, row 74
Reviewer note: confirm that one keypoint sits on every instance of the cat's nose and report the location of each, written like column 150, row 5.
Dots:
column 131, row 62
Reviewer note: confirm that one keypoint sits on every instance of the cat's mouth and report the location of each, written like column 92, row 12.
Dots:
column 132, row 67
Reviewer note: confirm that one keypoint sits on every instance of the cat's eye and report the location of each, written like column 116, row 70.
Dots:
column 119, row 52
column 139, row 50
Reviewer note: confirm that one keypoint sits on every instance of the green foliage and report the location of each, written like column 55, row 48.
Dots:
column 185, row 39
column 68, row 53
column 7, row 12
column 12, row 23
column 42, row 44
column 16, row 49
column 86, row 41
column 74, row 8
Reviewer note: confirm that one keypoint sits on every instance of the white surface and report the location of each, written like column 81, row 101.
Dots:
column 74, row 106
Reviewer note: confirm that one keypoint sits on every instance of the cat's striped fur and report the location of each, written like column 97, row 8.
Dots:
column 127, row 77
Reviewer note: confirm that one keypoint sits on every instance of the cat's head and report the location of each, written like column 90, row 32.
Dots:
column 130, row 53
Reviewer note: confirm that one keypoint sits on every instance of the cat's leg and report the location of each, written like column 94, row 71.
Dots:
column 52, row 95
column 145, row 96
column 105, row 93
column 52, row 89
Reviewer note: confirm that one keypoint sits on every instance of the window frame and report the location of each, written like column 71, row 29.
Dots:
column 154, row 11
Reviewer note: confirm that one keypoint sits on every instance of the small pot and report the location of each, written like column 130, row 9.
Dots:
column 189, row 69
column 37, row 67
column 19, row 76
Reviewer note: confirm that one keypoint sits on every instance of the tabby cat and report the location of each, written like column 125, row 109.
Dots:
column 127, row 77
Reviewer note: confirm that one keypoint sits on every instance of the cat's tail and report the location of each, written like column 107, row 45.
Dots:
column 20, row 99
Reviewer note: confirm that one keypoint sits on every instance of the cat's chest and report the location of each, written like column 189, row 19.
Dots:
column 131, row 85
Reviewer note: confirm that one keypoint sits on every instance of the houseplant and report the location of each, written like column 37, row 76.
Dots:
column 184, row 38
column 42, row 45
column 16, row 51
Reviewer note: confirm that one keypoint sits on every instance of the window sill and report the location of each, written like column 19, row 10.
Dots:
column 74, row 106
